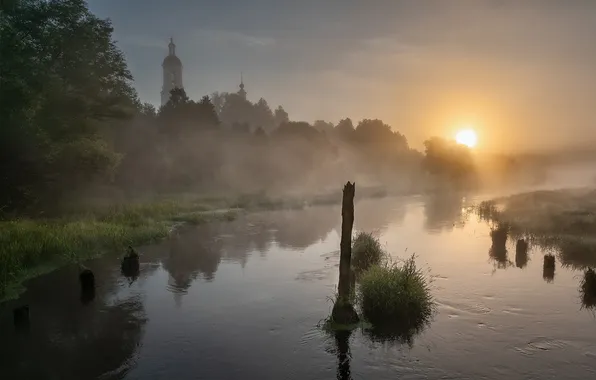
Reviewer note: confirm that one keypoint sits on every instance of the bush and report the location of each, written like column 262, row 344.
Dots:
column 396, row 298
column 366, row 251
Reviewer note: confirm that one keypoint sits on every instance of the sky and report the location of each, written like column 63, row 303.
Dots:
column 521, row 73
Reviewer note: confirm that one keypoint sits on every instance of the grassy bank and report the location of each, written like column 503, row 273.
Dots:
column 35, row 245
column 562, row 220
column 29, row 247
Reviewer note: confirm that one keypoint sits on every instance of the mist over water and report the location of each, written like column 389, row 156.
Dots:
column 226, row 299
column 467, row 134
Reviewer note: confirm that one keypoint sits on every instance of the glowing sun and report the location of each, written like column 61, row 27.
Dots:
column 467, row 137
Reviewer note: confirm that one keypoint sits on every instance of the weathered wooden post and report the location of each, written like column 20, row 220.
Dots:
column 548, row 268
column 521, row 253
column 343, row 312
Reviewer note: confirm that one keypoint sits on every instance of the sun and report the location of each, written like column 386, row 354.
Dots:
column 467, row 137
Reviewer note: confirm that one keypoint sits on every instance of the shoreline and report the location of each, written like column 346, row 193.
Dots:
column 31, row 247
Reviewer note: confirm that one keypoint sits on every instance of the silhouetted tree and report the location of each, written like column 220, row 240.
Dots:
column 280, row 116
column 448, row 160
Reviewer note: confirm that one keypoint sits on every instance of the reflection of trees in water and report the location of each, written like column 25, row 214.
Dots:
column 191, row 253
column 376, row 214
column 68, row 340
column 303, row 228
column 197, row 252
column 443, row 212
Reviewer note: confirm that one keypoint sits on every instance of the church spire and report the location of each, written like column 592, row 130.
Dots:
column 241, row 92
column 172, row 46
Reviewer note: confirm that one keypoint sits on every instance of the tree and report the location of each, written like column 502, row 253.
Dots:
column 63, row 79
column 263, row 115
column 448, row 160
column 345, row 129
column 323, row 126
column 280, row 116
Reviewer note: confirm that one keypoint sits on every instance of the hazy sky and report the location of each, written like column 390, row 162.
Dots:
column 523, row 72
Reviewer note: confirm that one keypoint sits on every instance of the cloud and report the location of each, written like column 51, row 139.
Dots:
column 144, row 41
column 234, row 38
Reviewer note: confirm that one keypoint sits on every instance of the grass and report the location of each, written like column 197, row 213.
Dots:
column 395, row 299
column 29, row 247
column 561, row 221
column 366, row 252
column 561, row 212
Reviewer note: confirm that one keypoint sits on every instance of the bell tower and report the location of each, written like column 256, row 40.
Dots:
column 172, row 73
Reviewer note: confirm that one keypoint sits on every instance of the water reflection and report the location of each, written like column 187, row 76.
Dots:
column 70, row 340
column 498, row 249
column 299, row 230
column 342, row 346
column 376, row 215
column 521, row 253
column 548, row 268
column 445, row 211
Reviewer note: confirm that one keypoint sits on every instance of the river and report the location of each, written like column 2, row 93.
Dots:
column 244, row 299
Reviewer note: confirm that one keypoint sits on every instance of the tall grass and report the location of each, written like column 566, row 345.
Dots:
column 396, row 299
column 366, row 251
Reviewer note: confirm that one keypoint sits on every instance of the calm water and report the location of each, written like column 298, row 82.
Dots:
column 243, row 300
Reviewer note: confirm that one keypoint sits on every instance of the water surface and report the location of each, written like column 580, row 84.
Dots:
column 243, row 300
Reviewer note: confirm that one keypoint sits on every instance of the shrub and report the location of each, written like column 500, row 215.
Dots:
column 396, row 299
column 366, row 251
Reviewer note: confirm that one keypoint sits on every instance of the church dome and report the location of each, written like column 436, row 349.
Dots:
column 171, row 60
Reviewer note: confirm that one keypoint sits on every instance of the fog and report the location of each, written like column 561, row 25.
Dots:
column 80, row 124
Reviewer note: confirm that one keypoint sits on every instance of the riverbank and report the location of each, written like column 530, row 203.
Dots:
column 30, row 246
column 33, row 246
column 560, row 220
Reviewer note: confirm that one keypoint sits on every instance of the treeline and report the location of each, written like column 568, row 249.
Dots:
column 72, row 124
column 187, row 145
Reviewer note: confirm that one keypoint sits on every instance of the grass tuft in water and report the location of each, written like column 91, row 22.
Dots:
column 396, row 299
column 366, row 252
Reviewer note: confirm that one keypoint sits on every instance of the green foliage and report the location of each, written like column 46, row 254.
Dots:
column 396, row 298
column 27, row 244
column 63, row 76
column 366, row 251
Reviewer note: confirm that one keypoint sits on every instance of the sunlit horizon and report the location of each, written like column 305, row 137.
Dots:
column 467, row 137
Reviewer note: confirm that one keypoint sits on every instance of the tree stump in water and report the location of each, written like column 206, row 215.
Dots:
column 548, row 268
column 343, row 312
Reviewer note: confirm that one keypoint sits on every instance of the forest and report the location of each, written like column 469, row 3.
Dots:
column 74, row 128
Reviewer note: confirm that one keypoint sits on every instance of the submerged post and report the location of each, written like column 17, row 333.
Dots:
column 343, row 311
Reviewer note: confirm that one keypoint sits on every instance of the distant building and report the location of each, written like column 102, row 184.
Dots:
column 241, row 92
column 172, row 73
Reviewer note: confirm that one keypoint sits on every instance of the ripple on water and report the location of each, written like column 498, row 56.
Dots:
column 541, row 344
column 310, row 335
column 460, row 308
